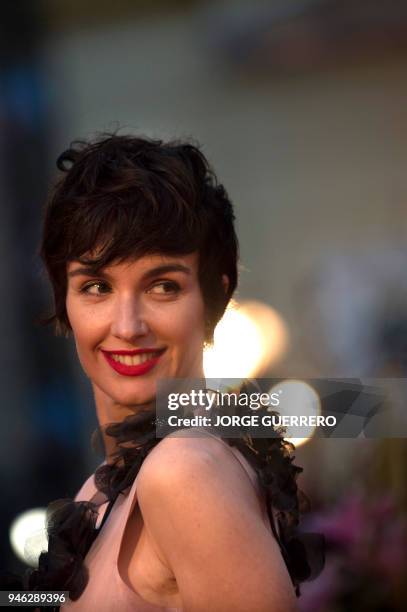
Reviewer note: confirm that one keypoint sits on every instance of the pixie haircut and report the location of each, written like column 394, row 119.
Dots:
column 122, row 197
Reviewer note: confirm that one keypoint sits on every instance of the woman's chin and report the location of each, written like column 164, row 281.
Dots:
column 133, row 400
column 128, row 393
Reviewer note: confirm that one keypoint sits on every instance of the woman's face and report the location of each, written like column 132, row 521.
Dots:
column 136, row 322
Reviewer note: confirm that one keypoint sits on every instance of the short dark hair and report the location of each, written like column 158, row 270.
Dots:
column 129, row 196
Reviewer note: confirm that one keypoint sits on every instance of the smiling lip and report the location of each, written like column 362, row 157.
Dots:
column 128, row 369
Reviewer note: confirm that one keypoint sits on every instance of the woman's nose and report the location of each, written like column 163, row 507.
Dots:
column 128, row 321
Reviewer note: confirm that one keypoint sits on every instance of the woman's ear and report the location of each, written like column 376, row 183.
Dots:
column 225, row 282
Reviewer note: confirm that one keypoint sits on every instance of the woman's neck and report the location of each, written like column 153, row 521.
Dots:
column 108, row 411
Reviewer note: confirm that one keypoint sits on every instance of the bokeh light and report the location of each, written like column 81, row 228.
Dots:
column 297, row 398
column 250, row 337
column 28, row 535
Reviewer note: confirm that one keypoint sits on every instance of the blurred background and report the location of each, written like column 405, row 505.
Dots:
column 301, row 107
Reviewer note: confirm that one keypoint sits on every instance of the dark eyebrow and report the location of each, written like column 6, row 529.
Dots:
column 166, row 268
column 86, row 271
column 157, row 271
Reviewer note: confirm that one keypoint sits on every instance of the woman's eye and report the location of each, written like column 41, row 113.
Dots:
column 165, row 288
column 95, row 288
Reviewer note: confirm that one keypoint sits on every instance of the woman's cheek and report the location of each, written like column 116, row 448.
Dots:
column 86, row 333
column 187, row 321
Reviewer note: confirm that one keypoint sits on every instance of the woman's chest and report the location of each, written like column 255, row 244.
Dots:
column 141, row 568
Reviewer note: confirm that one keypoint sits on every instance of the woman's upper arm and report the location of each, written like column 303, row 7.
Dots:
column 203, row 517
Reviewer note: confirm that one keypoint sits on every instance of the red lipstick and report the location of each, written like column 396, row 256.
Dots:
column 133, row 370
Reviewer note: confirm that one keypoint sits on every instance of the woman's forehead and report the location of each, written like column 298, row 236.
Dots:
column 181, row 262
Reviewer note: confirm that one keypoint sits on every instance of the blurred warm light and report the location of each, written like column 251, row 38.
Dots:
column 297, row 398
column 249, row 338
column 28, row 535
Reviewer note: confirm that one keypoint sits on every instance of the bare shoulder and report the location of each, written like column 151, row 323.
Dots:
column 182, row 458
column 187, row 440
column 201, row 514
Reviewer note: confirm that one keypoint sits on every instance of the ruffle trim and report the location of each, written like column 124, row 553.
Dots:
column 71, row 525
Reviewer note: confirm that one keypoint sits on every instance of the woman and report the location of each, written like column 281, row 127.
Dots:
column 141, row 251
